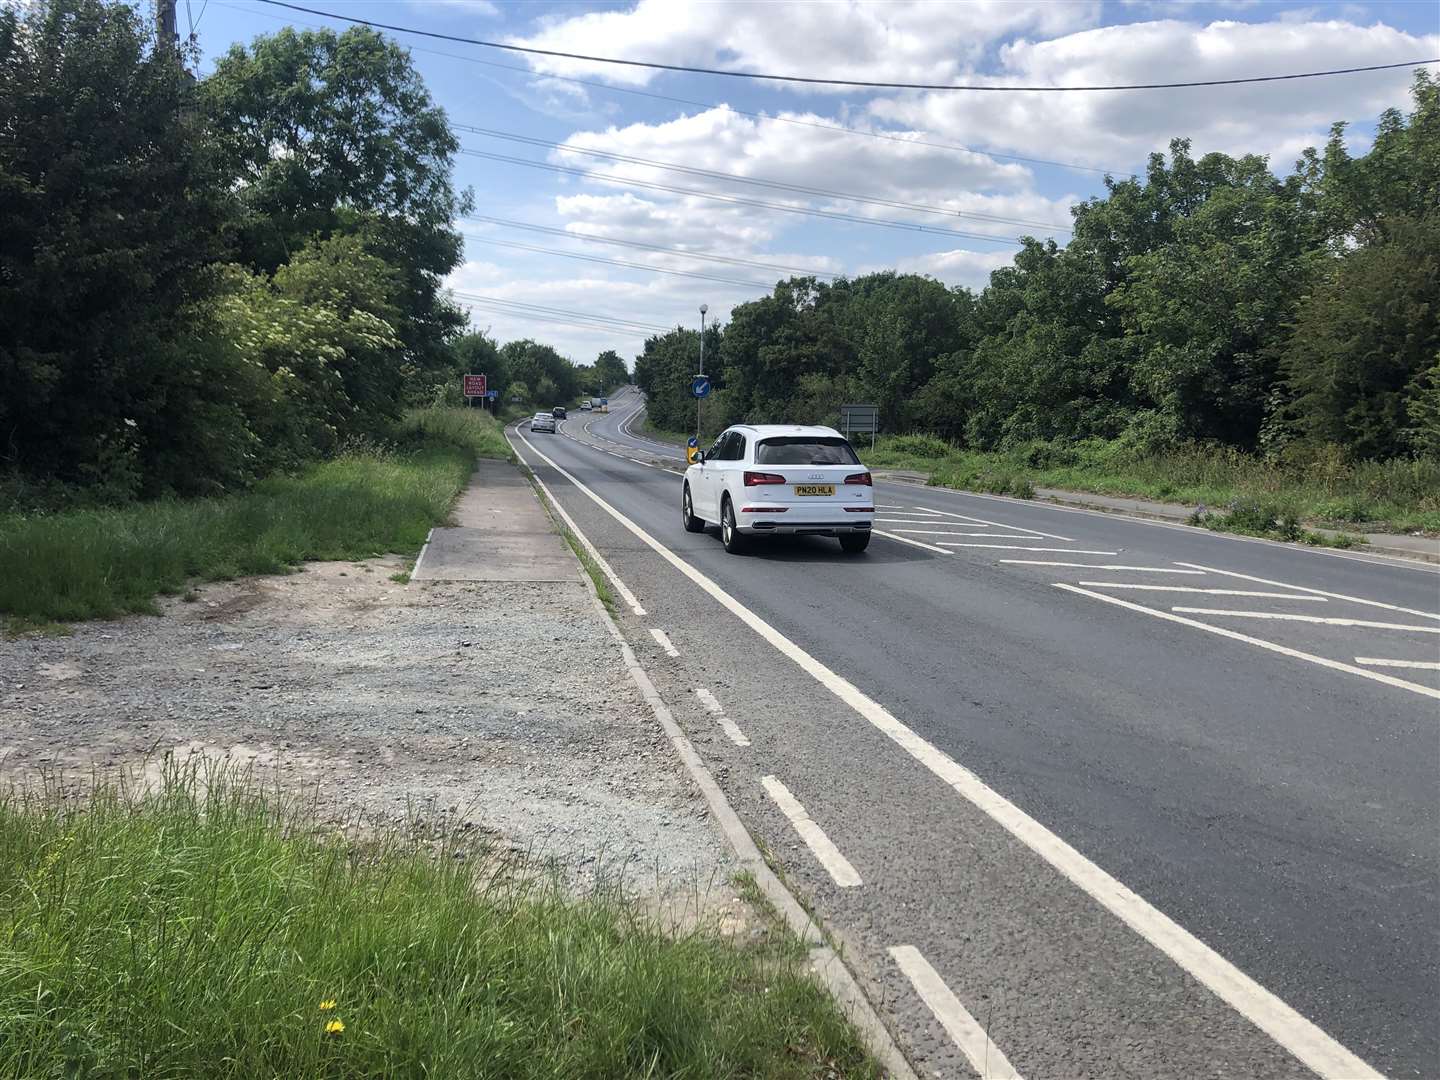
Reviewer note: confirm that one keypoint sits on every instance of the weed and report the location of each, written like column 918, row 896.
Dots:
column 197, row 927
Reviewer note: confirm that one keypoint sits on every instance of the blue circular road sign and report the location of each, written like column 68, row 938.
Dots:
column 700, row 386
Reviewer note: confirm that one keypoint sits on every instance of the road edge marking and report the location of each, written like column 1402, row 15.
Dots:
column 714, row 708
column 1302, row 1038
column 620, row 586
column 840, row 869
column 987, row 1059
column 826, row 965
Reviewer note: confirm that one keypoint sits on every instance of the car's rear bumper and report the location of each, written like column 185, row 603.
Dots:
column 792, row 523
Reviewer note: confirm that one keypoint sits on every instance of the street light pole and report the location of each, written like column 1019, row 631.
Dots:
column 703, row 309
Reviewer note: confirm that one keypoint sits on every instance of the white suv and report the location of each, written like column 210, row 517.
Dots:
column 773, row 478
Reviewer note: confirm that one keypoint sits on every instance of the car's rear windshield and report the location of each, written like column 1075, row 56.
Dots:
column 804, row 450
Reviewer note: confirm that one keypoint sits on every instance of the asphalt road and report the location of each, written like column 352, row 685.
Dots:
column 1144, row 692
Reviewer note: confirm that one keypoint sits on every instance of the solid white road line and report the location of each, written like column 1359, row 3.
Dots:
column 974, row 1042
column 952, row 532
column 912, row 543
column 1375, row 661
column 663, row 640
column 1192, row 589
column 1318, row 1051
column 1281, row 616
column 918, row 520
column 620, row 586
column 1317, row 592
column 727, row 725
column 1259, row 643
column 1017, row 547
column 1093, row 566
column 815, row 839
column 1004, row 525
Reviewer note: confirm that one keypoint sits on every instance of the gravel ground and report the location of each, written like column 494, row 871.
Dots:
column 501, row 706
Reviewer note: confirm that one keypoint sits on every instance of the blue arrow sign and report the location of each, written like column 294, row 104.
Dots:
column 694, row 441
column 700, row 386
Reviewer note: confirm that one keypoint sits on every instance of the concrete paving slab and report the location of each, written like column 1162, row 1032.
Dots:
column 495, row 555
column 501, row 533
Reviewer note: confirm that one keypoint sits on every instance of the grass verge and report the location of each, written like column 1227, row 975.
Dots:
column 206, row 930
column 1316, row 486
column 99, row 563
column 587, row 561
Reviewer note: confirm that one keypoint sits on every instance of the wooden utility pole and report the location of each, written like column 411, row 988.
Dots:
column 168, row 32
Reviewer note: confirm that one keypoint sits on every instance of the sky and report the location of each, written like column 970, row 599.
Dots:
column 934, row 170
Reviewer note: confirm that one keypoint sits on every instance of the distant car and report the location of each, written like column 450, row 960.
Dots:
column 558, row 412
column 771, row 478
column 542, row 421
column 585, row 405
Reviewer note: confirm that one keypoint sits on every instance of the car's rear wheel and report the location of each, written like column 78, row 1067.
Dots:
column 735, row 541
column 854, row 542
column 687, row 513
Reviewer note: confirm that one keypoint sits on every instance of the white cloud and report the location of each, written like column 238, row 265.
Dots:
column 958, row 267
column 484, row 8
column 1118, row 128
column 902, row 40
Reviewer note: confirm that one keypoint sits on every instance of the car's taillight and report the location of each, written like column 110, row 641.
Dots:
column 755, row 479
column 859, row 478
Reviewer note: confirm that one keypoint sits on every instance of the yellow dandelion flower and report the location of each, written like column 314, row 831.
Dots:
column 334, row 1027
column 327, row 1005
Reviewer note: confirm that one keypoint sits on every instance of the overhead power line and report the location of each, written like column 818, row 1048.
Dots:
column 842, row 129
column 592, row 238
column 757, row 181
column 812, row 80
column 482, row 238
column 738, row 200
column 629, row 324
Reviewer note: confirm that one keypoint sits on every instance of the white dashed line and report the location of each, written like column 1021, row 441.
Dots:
column 1317, row 592
column 1281, row 616
column 726, row 724
column 1093, row 566
column 815, row 839
column 1259, row 643
column 1313, row 1047
column 663, row 640
column 1375, row 661
column 1212, row 592
column 1017, row 547
column 984, row 1056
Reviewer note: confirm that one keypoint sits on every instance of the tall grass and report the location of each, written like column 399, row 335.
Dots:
column 202, row 930
column 1317, row 485
column 99, row 563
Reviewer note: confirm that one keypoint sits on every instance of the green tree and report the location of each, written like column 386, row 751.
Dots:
column 1366, row 342
column 331, row 134
column 609, row 371
column 111, row 217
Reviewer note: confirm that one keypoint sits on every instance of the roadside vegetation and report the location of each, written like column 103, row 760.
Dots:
column 1213, row 332
column 1320, row 486
column 373, row 498
column 202, row 928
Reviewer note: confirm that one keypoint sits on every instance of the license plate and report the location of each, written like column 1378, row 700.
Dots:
column 814, row 489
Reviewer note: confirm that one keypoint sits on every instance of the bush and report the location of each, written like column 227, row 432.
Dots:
column 919, row 446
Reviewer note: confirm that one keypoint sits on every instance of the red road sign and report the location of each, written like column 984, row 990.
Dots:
column 474, row 385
